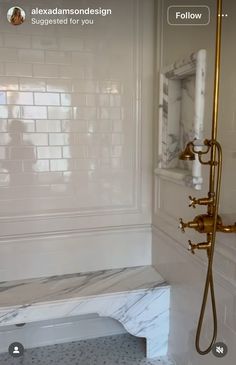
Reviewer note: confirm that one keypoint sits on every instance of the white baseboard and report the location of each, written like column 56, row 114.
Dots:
column 47, row 333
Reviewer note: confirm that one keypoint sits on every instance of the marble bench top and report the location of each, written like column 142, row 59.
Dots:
column 79, row 285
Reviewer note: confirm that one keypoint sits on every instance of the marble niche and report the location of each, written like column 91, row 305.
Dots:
column 181, row 117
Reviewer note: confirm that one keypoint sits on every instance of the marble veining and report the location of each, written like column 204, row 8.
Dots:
column 137, row 297
column 182, row 95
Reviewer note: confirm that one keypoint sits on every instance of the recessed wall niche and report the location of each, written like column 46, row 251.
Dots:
column 181, row 114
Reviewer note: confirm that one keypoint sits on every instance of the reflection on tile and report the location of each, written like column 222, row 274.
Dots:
column 2, row 98
column 113, row 350
column 8, row 83
column 23, row 98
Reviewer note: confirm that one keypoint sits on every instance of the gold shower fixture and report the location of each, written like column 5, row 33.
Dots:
column 210, row 222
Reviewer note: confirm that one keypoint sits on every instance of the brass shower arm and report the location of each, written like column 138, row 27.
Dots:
column 227, row 229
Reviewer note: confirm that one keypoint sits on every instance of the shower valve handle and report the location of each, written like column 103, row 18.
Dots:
column 182, row 225
column 191, row 247
column 192, row 202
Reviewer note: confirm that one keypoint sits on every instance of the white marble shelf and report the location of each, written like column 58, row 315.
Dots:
column 138, row 297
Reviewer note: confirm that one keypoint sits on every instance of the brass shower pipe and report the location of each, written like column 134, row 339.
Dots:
column 210, row 222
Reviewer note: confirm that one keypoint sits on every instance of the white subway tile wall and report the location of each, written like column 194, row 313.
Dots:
column 67, row 110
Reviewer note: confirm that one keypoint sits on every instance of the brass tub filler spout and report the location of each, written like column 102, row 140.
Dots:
column 211, row 222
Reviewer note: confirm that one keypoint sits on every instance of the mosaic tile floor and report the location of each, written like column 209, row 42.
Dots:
column 113, row 350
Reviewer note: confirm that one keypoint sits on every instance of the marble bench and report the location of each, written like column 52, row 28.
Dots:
column 137, row 297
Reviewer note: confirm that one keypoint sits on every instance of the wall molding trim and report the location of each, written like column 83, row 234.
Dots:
column 221, row 279
column 77, row 232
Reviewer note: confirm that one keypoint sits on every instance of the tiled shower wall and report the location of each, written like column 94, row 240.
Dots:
column 72, row 154
column 65, row 120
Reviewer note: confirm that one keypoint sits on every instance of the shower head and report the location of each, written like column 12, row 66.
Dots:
column 187, row 153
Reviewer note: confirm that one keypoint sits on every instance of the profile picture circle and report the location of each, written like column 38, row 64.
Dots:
column 16, row 15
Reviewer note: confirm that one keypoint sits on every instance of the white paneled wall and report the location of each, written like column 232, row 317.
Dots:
column 74, row 141
column 184, row 271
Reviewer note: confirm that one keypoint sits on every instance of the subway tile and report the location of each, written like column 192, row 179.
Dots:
column 47, row 99
column 3, row 98
column 117, row 126
column 85, row 86
column 14, row 112
column 57, row 57
column 86, row 113
column 17, row 40
column 70, row 44
column 117, row 139
column 37, row 139
column 78, row 99
column 3, row 111
column 38, row 166
column 48, row 125
column 20, row 70
column 31, row 56
column 110, row 87
column 66, row 99
column 93, row 151
column 89, row 139
column 117, row 151
column 61, row 112
column 4, row 179
column 110, row 113
column 75, row 152
column 104, row 100
column 5, row 139
column 115, row 100
column 8, row 55
column 49, row 152
column 11, row 166
column 90, row 100
column 81, row 59
column 105, row 126
column 59, row 165
column 74, row 126
column 92, row 126
column 32, row 84
column 22, row 98
column 60, row 139
column 49, row 178
column 9, row 83
column 40, row 70
column 2, row 69
column 71, row 72
column 44, row 42
column 3, row 153
column 59, row 85
column 16, row 179
column 22, row 153
column 20, row 126
column 3, row 125
column 34, row 112
column 85, row 164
